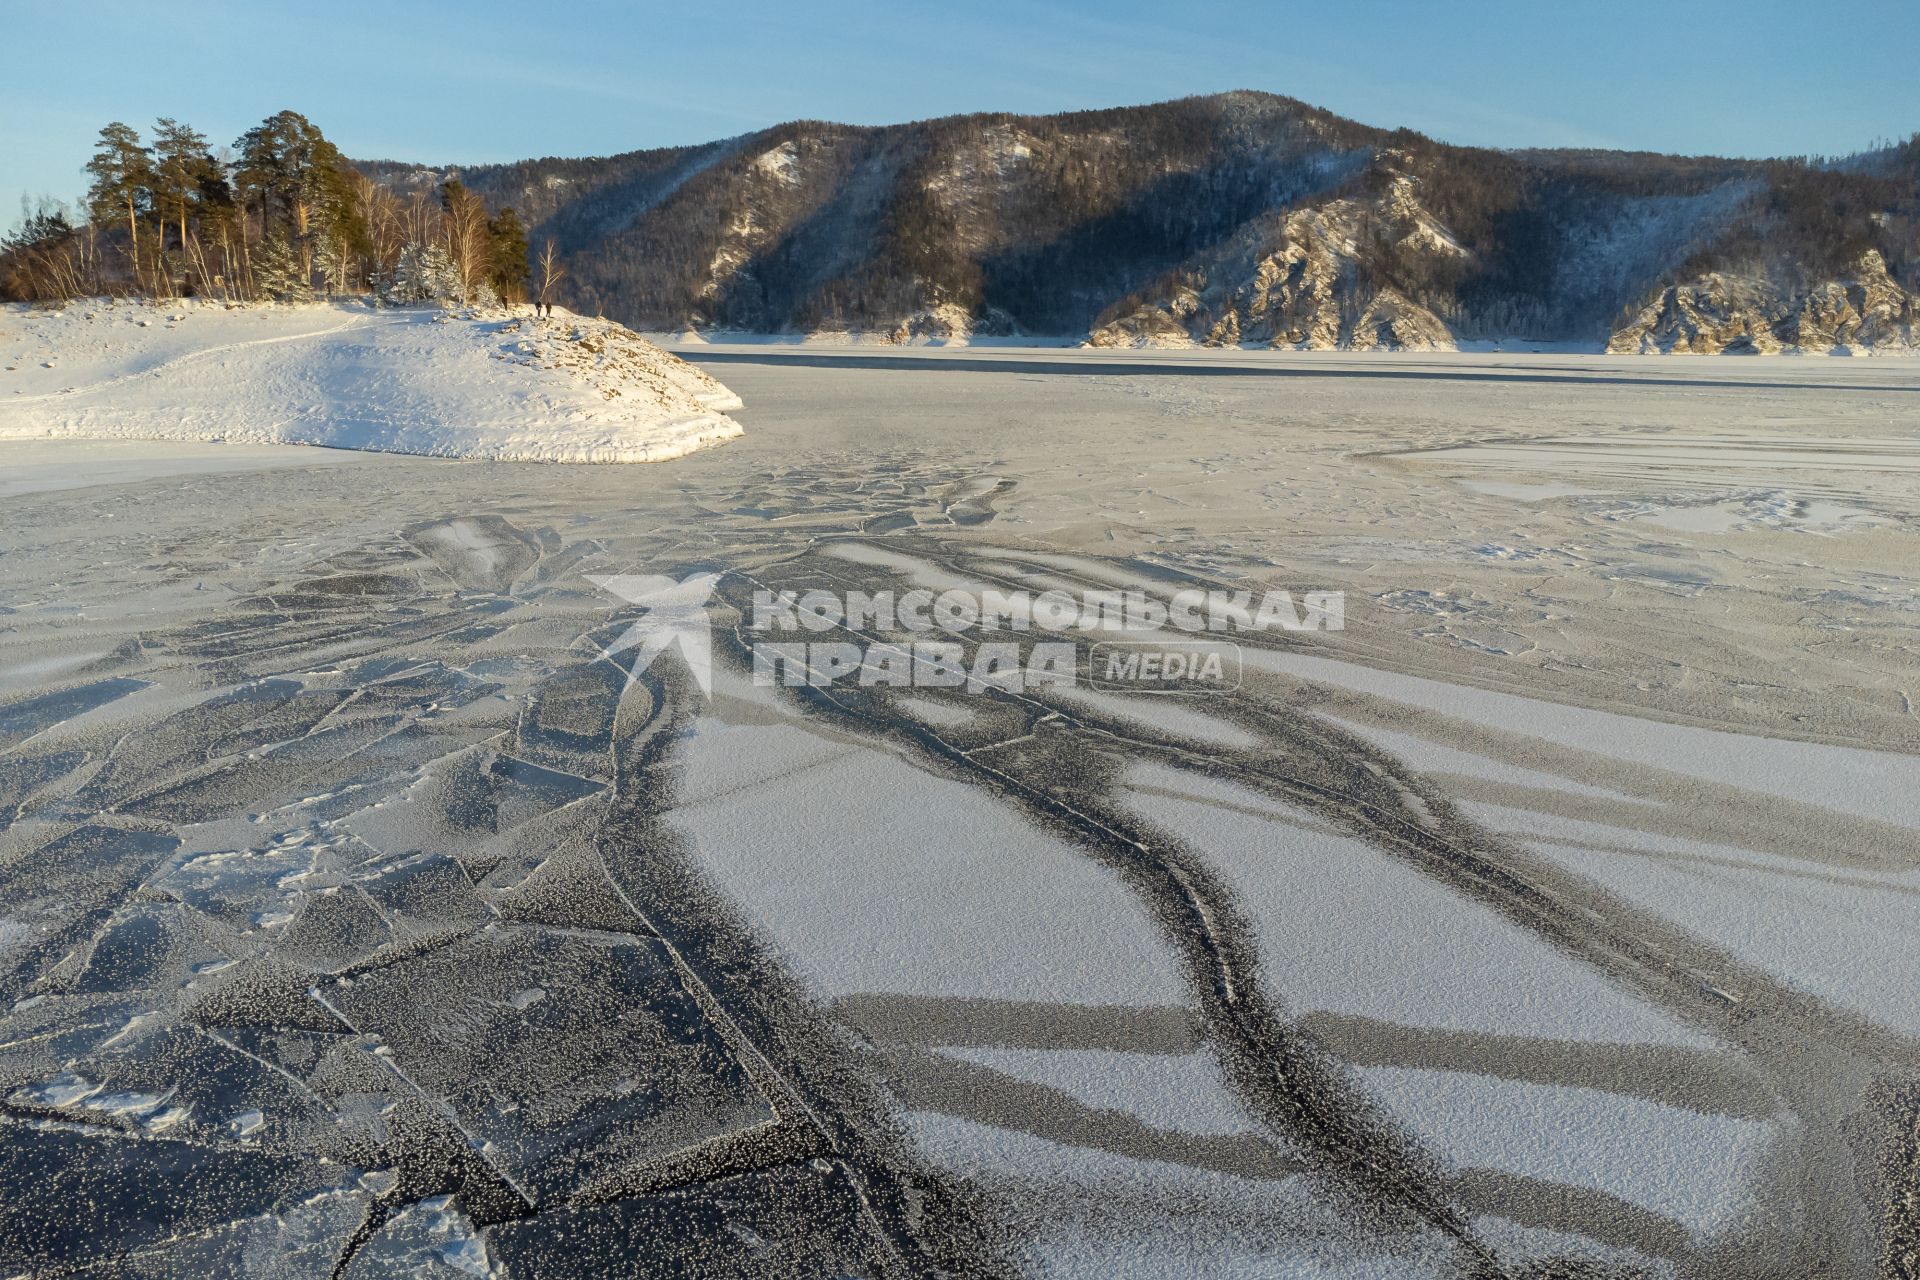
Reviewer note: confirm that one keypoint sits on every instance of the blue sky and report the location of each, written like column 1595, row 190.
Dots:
column 486, row 80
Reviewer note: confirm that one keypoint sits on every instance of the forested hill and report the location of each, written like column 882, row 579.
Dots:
column 1237, row 218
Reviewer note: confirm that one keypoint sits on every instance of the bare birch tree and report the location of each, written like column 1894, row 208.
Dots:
column 551, row 273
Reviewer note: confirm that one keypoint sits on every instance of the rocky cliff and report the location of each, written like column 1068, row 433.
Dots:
column 1861, row 313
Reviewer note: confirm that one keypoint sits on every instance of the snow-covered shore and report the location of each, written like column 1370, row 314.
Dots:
column 491, row 385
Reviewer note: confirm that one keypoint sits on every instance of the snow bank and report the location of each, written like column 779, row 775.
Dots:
column 348, row 376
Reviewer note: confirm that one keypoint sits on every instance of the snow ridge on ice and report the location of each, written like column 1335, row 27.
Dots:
column 344, row 375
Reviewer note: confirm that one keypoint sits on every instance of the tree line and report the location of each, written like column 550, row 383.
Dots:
column 280, row 215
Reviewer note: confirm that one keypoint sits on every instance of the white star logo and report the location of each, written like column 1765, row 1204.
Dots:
column 676, row 615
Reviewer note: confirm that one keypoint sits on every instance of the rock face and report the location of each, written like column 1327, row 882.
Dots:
column 1298, row 282
column 1868, row 312
column 1713, row 315
column 1392, row 323
column 939, row 324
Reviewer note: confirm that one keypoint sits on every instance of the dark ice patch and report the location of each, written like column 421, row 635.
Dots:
column 356, row 584
column 301, row 1242
column 41, row 1036
column 152, row 947
column 248, row 718
column 889, row 523
column 265, row 994
column 569, row 719
column 21, row 720
column 436, row 685
column 568, row 889
column 238, row 887
column 298, row 1053
column 430, row 1240
column 427, row 892
column 978, row 509
column 567, row 1055
column 83, row 1196
column 333, row 930
column 340, row 769
column 800, row 1220
column 153, row 1075
column 66, row 889
column 481, row 553
column 493, row 793
column 22, row 776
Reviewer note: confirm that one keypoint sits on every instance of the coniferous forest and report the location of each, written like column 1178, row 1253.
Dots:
column 278, row 215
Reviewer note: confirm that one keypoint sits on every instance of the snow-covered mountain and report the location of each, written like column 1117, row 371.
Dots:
column 1236, row 218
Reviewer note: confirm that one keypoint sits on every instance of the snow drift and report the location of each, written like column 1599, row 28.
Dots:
column 348, row 376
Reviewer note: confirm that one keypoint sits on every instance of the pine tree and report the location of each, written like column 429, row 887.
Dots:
column 181, row 163
column 298, row 181
column 38, row 261
column 279, row 272
column 333, row 262
column 507, row 241
column 217, row 216
column 424, row 273
column 122, row 184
